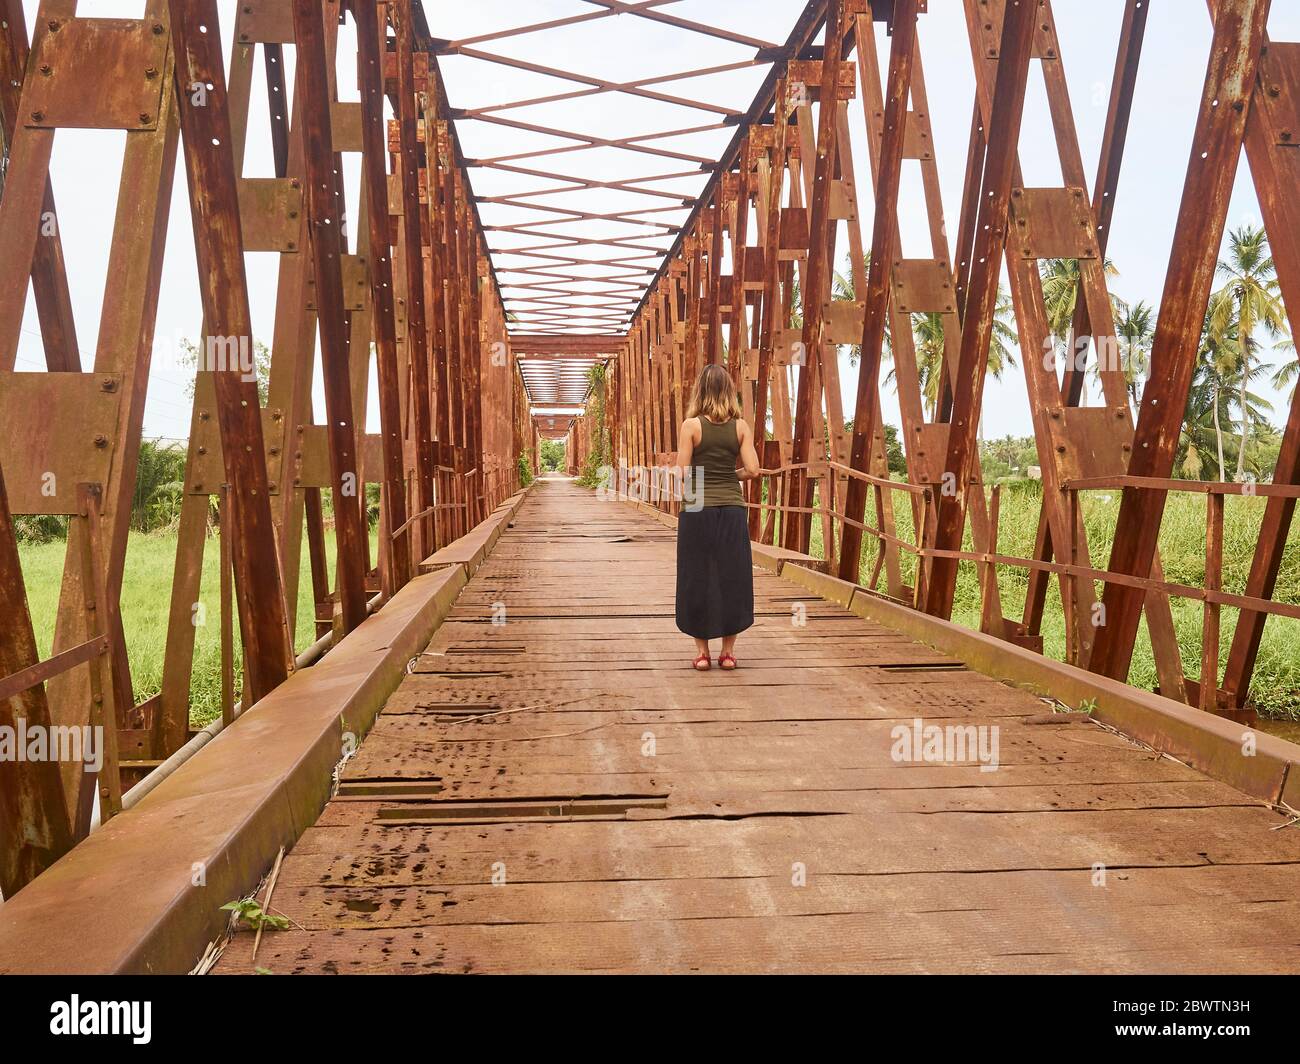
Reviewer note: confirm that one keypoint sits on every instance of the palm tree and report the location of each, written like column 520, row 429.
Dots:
column 1217, row 400
column 927, row 336
column 1061, row 294
column 927, row 333
column 1202, row 433
column 1287, row 372
column 1248, row 301
column 1135, row 329
column 1217, row 360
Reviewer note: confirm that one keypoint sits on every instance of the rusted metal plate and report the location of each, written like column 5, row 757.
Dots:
column 843, row 204
column 270, row 212
column 394, row 134
column 311, row 457
column 755, row 261
column 395, row 191
column 1051, row 223
column 808, row 73
column 922, row 286
column 794, row 233
column 927, row 460
column 1092, row 441
column 208, row 469
column 844, row 321
column 880, row 10
column 61, row 94
column 311, row 461
column 918, row 141
column 726, row 285
column 71, row 442
column 356, row 284
column 788, row 348
column 988, row 24
column 420, row 64
column 1279, row 79
column 345, row 125
column 265, row 22
column 372, row 458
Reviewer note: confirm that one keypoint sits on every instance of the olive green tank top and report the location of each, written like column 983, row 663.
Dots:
column 716, row 455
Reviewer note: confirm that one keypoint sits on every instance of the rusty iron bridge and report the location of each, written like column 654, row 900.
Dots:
column 488, row 751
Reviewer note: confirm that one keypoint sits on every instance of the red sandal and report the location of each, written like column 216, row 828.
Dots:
column 702, row 658
column 724, row 658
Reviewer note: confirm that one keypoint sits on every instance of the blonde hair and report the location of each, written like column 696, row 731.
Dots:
column 714, row 396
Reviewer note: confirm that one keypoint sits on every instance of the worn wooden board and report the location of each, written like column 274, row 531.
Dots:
column 755, row 821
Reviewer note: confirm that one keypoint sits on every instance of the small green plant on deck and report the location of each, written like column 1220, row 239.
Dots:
column 525, row 468
column 251, row 913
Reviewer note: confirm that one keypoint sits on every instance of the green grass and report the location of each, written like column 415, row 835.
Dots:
column 146, row 599
column 1276, row 686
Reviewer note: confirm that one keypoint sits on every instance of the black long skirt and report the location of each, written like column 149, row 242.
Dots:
column 715, row 574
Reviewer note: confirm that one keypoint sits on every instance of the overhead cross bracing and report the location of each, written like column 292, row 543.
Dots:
column 551, row 426
column 556, row 381
column 586, row 169
column 556, row 369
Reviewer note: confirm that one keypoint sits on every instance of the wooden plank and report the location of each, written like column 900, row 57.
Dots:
column 772, row 827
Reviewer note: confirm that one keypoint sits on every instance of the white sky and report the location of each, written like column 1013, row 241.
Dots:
column 86, row 163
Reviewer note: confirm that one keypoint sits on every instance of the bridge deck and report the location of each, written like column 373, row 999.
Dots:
column 617, row 857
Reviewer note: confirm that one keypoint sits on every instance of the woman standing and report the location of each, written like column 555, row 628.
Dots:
column 715, row 576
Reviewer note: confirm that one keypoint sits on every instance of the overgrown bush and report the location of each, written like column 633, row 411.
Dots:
column 552, row 455
column 39, row 528
column 598, row 457
column 159, row 486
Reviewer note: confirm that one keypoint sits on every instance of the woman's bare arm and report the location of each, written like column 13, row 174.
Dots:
column 685, row 451
column 748, row 455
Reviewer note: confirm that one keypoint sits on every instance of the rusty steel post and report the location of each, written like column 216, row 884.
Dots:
column 324, row 224
column 981, row 300
column 370, row 79
column 219, row 246
column 1216, row 148
column 35, row 829
column 417, row 341
column 884, row 240
column 799, row 493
